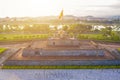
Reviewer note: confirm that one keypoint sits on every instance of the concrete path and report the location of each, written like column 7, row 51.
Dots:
column 71, row 74
column 7, row 54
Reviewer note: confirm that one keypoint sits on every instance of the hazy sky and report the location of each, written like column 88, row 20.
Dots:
column 34, row 8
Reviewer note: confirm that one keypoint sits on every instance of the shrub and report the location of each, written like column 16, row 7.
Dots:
column 2, row 50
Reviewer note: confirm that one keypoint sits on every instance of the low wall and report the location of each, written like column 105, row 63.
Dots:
column 63, row 42
column 62, row 62
column 82, row 52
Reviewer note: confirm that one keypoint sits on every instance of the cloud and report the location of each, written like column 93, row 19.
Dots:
column 116, row 6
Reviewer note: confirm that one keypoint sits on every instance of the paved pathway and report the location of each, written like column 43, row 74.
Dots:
column 112, row 49
column 6, row 55
column 75, row 74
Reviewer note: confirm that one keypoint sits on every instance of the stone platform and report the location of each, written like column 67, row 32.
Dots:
column 40, row 54
column 63, row 42
column 81, row 52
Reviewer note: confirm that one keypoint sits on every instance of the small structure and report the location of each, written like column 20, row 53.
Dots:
column 62, row 40
column 57, row 42
column 31, row 52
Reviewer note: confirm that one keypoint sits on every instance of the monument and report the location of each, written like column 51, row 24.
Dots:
column 62, row 45
column 61, row 49
column 62, row 39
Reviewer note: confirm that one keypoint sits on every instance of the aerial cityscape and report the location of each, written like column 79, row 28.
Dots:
column 59, row 39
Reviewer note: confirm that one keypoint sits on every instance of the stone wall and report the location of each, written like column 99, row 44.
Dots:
column 81, row 52
column 62, row 62
column 60, row 42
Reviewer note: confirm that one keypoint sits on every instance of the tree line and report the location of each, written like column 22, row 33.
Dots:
column 45, row 28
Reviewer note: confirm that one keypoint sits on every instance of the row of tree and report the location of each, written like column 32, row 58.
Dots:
column 44, row 28
column 72, row 29
column 40, row 28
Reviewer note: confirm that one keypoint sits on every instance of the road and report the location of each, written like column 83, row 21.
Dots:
column 17, row 45
column 6, row 55
column 60, row 74
column 112, row 48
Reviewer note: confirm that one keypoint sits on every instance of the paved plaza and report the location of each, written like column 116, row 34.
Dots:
column 75, row 74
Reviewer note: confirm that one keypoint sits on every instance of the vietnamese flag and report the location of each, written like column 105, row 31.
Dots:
column 61, row 15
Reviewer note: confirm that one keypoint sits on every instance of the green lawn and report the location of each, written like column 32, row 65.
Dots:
column 26, row 37
column 91, row 36
column 62, row 67
column 118, row 50
column 98, row 37
column 2, row 50
column 22, row 37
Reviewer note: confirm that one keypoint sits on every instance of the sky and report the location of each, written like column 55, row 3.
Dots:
column 35, row 8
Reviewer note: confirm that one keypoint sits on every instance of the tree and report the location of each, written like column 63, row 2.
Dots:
column 65, row 28
column 107, row 31
column 80, row 28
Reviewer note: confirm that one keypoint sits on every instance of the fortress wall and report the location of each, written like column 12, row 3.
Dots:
column 39, row 52
column 62, row 62
column 63, row 42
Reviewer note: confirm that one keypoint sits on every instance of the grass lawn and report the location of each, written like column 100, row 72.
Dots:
column 99, row 37
column 118, row 50
column 25, row 37
column 22, row 37
column 91, row 36
column 2, row 50
column 62, row 67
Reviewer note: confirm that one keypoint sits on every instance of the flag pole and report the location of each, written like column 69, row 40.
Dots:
column 61, row 17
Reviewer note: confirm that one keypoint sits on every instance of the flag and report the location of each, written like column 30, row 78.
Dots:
column 61, row 15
